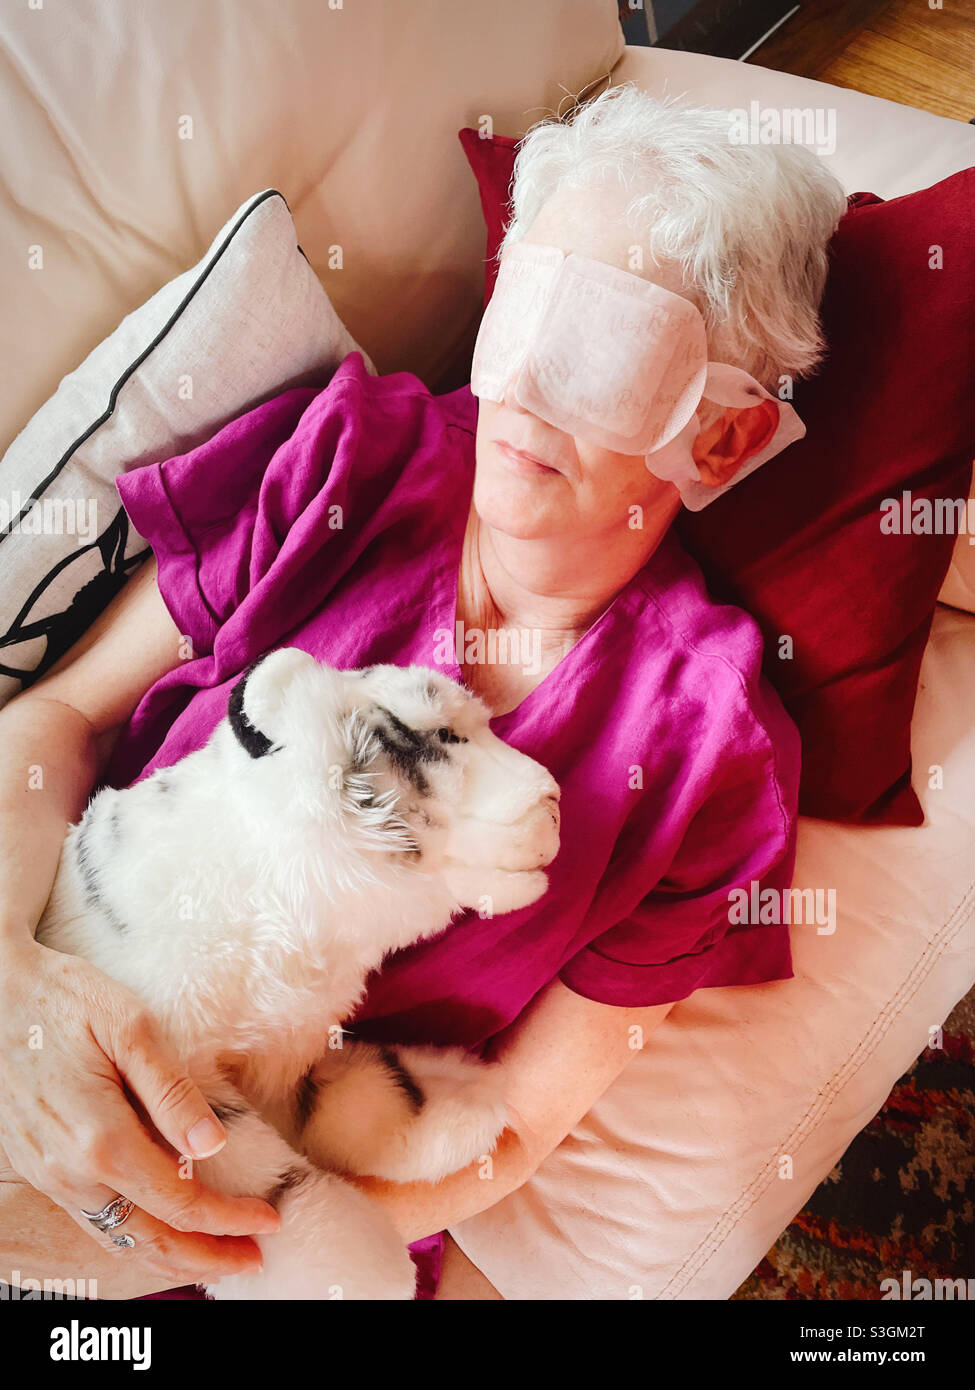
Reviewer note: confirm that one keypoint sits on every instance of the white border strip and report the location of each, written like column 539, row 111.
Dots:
column 768, row 33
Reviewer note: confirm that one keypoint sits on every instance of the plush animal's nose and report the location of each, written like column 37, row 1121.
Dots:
column 538, row 798
column 539, row 830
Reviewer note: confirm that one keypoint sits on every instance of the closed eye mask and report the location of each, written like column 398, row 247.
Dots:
column 616, row 361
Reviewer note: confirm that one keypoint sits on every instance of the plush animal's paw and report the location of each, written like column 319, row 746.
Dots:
column 406, row 1114
column 458, row 1115
column 495, row 890
column 334, row 1243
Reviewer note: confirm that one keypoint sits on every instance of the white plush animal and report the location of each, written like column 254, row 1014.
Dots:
column 245, row 894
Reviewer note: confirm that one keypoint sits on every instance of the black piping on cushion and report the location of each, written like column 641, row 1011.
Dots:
column 38, row 493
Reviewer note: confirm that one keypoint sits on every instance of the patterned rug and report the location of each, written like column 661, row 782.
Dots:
column 903, row 1194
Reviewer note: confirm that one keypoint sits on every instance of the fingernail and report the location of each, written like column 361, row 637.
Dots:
column 205, row 1138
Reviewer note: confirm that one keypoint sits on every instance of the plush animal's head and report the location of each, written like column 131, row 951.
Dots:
column 403, row 762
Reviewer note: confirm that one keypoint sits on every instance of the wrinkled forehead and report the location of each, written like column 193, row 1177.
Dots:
column 592, row 222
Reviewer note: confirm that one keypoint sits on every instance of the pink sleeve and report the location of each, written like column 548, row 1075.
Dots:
column 198, row 512
column 697, row 927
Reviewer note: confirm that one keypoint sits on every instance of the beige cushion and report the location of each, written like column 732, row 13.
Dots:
column 881, row 147
column 247, row 322
column 672, row 1187
column 352, row 113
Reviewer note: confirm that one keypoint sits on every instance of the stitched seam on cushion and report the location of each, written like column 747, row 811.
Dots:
column 813, row 1117
column 38, row 492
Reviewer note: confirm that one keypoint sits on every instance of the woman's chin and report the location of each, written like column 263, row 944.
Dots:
column 519, row 511
column 518, row 526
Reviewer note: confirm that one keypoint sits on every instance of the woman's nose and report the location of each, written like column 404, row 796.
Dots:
column 509, row 402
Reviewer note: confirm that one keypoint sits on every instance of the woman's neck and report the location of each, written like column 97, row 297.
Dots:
column 552, row 591
column 559, row 585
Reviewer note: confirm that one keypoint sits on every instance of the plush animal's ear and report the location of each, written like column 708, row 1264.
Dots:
column 256, row 700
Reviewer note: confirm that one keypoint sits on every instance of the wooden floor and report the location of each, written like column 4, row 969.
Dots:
column 899, row 49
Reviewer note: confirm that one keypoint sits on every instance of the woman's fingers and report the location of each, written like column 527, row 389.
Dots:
column 115, row 1155
column 154, row 1182
column 173, row 1103
column 71, row 1038
column 124, row 1158
column 177, row 1257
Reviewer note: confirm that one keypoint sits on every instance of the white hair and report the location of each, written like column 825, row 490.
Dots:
column 748, row 225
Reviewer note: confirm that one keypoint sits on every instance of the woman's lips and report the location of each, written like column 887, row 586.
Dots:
column 525, row 462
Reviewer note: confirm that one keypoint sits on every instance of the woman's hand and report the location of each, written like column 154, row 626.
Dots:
column 73, row 1042
column 77, row 1050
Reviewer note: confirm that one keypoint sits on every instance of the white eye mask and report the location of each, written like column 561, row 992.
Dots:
column 614, row 360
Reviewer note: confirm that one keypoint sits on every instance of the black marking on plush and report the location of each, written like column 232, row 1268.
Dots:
column 362, row 792
column 90, row 875
column 406, row 1082
column 229, row 1110
column 306, row 1095
column 380, row 808
column 407, row 750
column 254, row 743
column 88, row 872
column 290, row 1179
column 162, row 782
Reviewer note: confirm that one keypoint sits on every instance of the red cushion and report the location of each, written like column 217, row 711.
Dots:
column 799, row 544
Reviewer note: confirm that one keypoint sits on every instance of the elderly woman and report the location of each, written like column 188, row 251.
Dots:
column 654, row 281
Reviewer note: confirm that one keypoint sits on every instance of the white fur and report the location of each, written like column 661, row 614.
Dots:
column 246, row 898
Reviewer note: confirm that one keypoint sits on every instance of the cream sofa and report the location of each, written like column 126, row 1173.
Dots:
column 671, row 1187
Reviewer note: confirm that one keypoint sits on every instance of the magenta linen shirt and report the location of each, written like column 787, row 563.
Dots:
column 333, row 520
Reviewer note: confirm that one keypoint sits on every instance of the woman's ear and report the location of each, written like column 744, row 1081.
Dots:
column 731, row 439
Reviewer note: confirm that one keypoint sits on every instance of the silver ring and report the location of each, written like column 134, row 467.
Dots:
column 112, row 1214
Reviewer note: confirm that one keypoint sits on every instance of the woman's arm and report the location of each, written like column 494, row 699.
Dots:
column 71, row 1039
column 559, row 1056
column 57, row 736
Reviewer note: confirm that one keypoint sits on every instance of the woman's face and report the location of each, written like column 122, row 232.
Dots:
column 533, row 480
